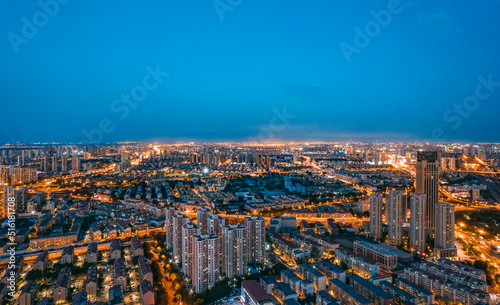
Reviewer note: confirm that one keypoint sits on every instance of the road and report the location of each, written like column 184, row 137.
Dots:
column 309, row 219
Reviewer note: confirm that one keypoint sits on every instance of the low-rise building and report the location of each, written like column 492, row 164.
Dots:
column 331, row 270
column 62, row 286
column 28, row 293
column 115, row 295
column 92, row 254
column 359, row 264
column 115, row 249
column 424, row 296
column 120, row 276
column 324, row 298
column 445, row 287
column 53, row 240
column 145, row 269
column 387, row 259
column 308, row 272
column 252, row 293
column 374, row 293
column 136, row 246
column 147, row 293
column 41, row 261
column 79, row 298
column 283, row 292
column 346, row 294
column 401, row 296
column 91, row 282
column 68, row 255
column 267, row 283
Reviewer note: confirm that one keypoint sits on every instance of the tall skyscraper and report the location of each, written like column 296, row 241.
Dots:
column 9, row 200
column 376, row 202
column 75, row 163
column 170, row 212
column 45, row 164
column 206, row 261
column 189, row 230
column 418, row 206
column 215, row 224
column 426, row 182
column 4, row 174
column 202, row 218
column 394, row 206
column 54, row 163
column 233, row 250
column 178, row 221
column 64, row 163
column 255, row 239
column 444, row 243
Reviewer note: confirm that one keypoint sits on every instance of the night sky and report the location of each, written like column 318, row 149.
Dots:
column 249, row 70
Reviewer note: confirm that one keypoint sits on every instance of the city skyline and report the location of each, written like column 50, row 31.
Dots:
column 229, row 73
column 234, row 152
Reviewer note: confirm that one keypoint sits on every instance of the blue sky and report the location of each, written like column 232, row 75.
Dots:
column 231, row 77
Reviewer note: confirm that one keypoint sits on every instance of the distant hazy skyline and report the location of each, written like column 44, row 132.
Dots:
column 249, row 70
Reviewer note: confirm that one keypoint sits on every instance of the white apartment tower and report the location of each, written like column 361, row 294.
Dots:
column 418, row 205
column 255, row 239
column 178, row 221
column 444, row 244
column 206, row 261
column 202, row 217
column 395, row 216
column 376, row 202
column 233, row 250
column 188, row 231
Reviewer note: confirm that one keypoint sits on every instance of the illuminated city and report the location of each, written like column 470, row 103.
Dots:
column 195, row 223
column 237, row 152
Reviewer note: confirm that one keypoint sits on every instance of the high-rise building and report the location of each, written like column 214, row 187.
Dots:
column 255, row 239
column 178, row 221
column 376, row 202
column 206, row 261
column 125, row 157
column 394, row 206
column 426, row 182
column 4, row 174
column 64, row 163
column 202, row 217
column 21, row 199
column 75, row 163
column 418, row 206
column 170, row 212
column 54, row 163
column 215, row 224
column 45, row 164
column 9, row 200
column 188, row 231
column 233, row 250
column 444, row 243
